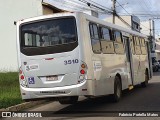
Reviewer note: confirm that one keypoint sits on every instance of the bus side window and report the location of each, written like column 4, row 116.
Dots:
column 95, row 38
column 143, row 46
column 132, row 44
column 118, row 43
column 118, row 37
column 106, row 43
column 139, row 40
column 105, row 33
column 137, row 45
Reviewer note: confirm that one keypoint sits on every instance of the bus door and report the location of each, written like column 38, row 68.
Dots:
column 128, row 61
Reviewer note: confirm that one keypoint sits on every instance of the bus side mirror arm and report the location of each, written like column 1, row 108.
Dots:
column 15, row 22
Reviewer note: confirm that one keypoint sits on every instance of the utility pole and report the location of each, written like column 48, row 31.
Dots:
column 152, row 37
column 150, row 26
column 114, row 10
column 153, row 29
column 153, row 40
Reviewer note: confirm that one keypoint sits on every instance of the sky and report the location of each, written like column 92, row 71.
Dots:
column 144, row 9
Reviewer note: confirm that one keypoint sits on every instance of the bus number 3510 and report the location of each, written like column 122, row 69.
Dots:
column 66, row 62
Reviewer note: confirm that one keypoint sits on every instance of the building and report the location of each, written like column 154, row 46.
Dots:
column 11, row 11
column 157, row 50
column 130, row 22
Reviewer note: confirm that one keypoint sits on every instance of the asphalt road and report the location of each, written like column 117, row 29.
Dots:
column 139, row 99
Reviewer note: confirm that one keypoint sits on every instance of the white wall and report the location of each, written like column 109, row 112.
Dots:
column 119, row 22
column 145, row 28
column 158, row 50
column 10, row 11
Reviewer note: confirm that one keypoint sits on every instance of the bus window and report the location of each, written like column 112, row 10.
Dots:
column 105, row 32
column 137, row 41
column 49, row 36
column 118, row 43
column 142, row 42
column 118, row 37
column 106, row 43
column 137, row 45
column 132, row 44
column 95, row 38
column 143, row 47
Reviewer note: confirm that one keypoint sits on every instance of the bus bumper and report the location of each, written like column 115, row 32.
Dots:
column 73, row 90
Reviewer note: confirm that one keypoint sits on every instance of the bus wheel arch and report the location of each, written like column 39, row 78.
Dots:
column 116, row 96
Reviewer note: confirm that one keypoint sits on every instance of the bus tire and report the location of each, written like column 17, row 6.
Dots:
column 145, row 83
column 117, row 89
column 68, row 100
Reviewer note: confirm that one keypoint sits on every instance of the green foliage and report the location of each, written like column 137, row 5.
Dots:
column 9, row 89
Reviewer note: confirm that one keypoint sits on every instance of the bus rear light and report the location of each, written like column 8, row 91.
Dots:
column 82, row 71
column 83, row 66
column 22, row 77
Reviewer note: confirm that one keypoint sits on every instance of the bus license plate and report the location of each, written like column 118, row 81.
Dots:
column 51, row 78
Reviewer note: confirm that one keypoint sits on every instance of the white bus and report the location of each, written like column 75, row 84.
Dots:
column 68, row 55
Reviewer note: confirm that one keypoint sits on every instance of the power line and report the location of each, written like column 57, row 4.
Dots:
column 129, row 14
column 96, row 6
column 104, row 9
column 123, row 7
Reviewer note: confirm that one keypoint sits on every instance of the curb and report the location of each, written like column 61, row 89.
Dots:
column 22, row 106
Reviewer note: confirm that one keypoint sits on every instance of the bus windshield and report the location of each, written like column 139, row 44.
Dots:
column 48, row 36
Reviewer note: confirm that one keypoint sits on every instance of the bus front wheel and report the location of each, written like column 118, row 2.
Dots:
column 117, row 89
column 68, row 100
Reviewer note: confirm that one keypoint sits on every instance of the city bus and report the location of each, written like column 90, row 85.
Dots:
column 68, row 55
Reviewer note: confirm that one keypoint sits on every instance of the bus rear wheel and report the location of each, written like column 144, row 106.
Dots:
column 68, row 100
column 145, row 83
column 117, row 90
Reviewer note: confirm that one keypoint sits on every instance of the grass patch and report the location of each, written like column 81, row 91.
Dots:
column 9, row 89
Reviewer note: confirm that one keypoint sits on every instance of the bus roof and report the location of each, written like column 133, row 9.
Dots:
column 88, row 17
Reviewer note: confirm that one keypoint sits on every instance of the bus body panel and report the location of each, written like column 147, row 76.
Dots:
column 105, row 75
column 51, row 65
